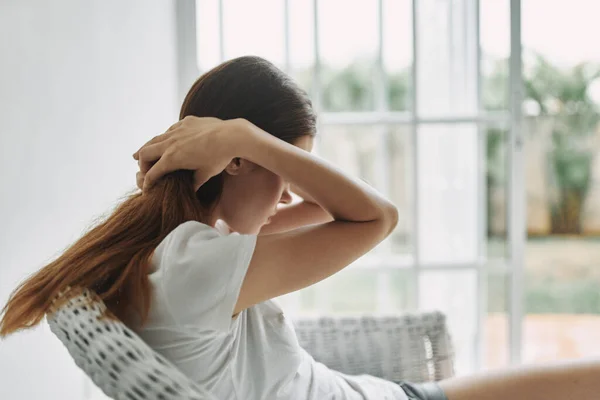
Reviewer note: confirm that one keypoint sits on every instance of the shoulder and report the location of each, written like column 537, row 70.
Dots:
column 187, row 233
column 194, row 230
column 201, row 272
column 180, row 237
column 193, row 241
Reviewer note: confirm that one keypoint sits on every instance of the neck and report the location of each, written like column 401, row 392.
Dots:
column 214, row 216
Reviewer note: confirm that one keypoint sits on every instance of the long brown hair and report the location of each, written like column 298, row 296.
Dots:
column 112, row 258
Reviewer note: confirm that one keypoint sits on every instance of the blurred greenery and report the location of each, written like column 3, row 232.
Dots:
column 547, row 294
column 357, row 291
column 564, row 94
column 550, row 295
column 352, row 88
column 558, row 95
column 558, row 100
column 349, row 89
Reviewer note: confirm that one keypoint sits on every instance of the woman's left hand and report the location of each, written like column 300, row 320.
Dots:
column 203, row 145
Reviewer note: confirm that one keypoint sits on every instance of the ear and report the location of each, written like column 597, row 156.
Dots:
column 238, row 166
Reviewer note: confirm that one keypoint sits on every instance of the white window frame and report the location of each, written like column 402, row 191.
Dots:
column 516, row 216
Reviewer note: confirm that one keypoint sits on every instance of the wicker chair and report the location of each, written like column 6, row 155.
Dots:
column 124, row 367
column 414, row 348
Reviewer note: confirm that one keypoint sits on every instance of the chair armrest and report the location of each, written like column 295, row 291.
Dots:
column 414, row 347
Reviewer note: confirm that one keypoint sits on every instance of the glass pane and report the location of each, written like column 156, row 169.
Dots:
column 244, row 34
column 562, row 290
column 447, row 177
column 447, row 64
column 381, row 156
column 496, row 328
column 562, row 298
column 353, row 148
column 494, row 28
column 397, row 52
column 354, row 291
column 401, row 183
column 302, row 43
column 496, row 192
column 454, row 294
column 569, row 45
column 347, row 46
column 207, row 34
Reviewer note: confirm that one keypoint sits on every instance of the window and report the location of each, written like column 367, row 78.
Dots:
column 412, row 96
column 562, row 104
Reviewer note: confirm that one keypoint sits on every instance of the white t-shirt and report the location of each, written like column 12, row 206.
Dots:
column 197, row 273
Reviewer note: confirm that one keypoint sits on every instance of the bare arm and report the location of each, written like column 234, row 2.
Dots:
column 282, row 262
column 295, row 216
column 286, row 262
column 343, row 197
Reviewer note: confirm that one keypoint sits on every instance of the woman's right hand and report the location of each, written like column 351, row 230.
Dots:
column 203, row 145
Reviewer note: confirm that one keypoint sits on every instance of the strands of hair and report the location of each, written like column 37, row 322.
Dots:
column 112, row 259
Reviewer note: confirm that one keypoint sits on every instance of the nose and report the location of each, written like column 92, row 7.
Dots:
column 286, row 196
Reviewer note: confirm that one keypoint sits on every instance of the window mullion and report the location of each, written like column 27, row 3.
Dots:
column 516, row 187
column 221, row 33
column 383, row 157
column 286, row 36
column 415, row 162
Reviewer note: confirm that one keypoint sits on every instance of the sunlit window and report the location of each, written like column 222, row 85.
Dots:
column 415, row 98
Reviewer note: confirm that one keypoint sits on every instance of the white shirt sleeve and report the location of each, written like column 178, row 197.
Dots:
column 203, row 273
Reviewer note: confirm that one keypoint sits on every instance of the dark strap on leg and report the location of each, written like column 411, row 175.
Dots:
column 423, row 391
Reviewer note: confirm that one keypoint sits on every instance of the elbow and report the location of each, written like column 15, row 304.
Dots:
column 389, row 217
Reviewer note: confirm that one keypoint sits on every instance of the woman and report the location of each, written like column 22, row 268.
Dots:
column 192, row 262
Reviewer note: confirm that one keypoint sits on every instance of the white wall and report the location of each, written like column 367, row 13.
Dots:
column 82, row 85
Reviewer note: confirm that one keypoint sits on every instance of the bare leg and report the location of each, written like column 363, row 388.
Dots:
column 575, row 380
